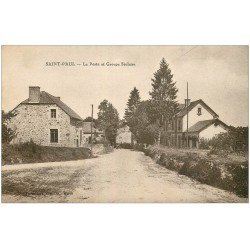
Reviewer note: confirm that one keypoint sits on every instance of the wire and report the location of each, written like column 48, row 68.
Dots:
column 186, row 52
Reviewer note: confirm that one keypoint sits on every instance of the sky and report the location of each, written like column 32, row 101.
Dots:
column 216, row 74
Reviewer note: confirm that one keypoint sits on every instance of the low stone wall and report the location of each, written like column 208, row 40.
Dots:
column 217, row 171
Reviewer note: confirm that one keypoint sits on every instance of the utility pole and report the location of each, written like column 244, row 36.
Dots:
column 187, row 116
column 92, row 130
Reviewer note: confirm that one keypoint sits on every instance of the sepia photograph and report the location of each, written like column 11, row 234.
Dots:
column 125, row 124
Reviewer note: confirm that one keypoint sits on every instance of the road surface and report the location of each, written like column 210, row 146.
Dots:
column 121, row 176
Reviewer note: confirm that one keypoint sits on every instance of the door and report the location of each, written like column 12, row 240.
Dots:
column 179, row 141
column 194, row 143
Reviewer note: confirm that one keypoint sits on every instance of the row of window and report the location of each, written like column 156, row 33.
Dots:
column 179, row 125
column 53, row 132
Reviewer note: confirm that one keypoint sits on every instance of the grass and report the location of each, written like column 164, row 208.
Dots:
column 41, row 181
column 219, row 157
column 229, row 172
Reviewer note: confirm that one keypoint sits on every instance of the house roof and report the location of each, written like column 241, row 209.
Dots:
column 46, row 98
column 87, row 128
column 184, row 110
column 181, row 106
column 201, row 125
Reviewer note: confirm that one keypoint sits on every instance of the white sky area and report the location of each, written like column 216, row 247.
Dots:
column 216, row 74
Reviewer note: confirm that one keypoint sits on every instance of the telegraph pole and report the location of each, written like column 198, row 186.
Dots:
column 92, row 129
column 187, row 116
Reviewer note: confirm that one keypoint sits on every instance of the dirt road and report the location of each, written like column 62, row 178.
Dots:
column 121, row 176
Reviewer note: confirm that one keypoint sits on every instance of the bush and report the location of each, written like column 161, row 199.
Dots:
column 107, row 148
column 239, row 179
column 125, row 145
column 162, row 160
column 236, row 139
column 7, row 133
column 29, row 152
column 204, row 144
column 139, row 147
column 220, row 152
column 204, row 172
column 228, row 175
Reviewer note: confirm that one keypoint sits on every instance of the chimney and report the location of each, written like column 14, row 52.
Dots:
column 34, row 94
column 187, row 102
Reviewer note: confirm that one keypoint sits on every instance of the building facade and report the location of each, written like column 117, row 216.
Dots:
column 194, row 121
column 47, row 121
column 97, row 135
column 124, row 135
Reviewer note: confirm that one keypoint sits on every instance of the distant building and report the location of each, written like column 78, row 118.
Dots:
column 97, row 134
column 203, row 122
column 124, row 135
column 46, row 120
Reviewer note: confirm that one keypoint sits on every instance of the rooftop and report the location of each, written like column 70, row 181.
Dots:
column 46, row 98
column 201, row 125
column 184, row 110
column 87, row 128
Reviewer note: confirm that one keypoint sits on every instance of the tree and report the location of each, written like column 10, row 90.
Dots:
column 89, row 119
column 141, row 124
column 133, row 102
column 163, row 95
column 7, row 133
column 108, row 120
column 235, row 139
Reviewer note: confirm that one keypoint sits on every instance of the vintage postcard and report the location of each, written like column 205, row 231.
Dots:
column 125, row 124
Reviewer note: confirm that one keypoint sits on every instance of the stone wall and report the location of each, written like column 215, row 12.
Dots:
column 33, row 122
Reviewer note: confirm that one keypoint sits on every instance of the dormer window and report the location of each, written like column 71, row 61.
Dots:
column 199, row 111
column 53, row 113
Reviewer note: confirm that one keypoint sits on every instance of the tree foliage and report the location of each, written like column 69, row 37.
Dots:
column 89, row 119
column 141, row 124
column 164, row 93
column 108, row 120
column 7, row 133
column 132, row 104
column 146, row 118
column 236, row 139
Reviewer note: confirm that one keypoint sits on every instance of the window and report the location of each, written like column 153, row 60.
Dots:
column 179, row 125
column 172, row 140
column 54, row 135
column 53, row 113
column 179, row 141
column 199, row 111
column 80, row 136
column 172, row 125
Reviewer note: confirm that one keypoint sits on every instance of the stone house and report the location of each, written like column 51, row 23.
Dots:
column 46, row 120
column 203, row 122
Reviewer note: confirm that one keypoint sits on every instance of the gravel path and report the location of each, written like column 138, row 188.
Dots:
column 121, row 176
